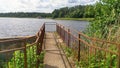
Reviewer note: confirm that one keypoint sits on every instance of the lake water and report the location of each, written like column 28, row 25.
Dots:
column 14, row 27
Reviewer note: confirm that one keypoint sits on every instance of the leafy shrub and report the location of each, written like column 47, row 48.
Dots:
column 17, row 59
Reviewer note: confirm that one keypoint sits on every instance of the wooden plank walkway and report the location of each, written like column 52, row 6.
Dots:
column 54, row 56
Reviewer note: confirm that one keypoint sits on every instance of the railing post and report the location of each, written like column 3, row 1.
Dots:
column 68, row 37
column 60, row 31
column 37, row 50
column 39, row 44
column 37, row 53
column 14, row 61
column 63, row 33
column 25, row 55
column 44, row 34
column 56, row 27
column 78, row 47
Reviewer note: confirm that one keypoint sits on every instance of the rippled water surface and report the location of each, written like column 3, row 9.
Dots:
column 14, row 27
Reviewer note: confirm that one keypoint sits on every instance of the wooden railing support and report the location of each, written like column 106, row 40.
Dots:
column 60, row 31
column 63, row 33
column 39, row 43
column 78, row 47
column 25, row 55
column 56, row 27
column 68, row 37
column 37, row 63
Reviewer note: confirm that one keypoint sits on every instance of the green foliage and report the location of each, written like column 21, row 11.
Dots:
column 79, row 11
column 79, row 19
column 97, row 62
column 17, row 59
column 104, row 26
column 91, row 60
column 68, row 52
column 106, row 16
column 89, row 11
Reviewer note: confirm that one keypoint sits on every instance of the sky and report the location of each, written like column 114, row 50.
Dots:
column 46, row 6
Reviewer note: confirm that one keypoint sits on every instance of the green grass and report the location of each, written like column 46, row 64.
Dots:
column 79, row 19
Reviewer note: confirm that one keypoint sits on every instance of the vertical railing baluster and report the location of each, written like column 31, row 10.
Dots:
column 39, row 43
column 68, row 37
column 30, row 56
column 37, row 50
column 25, row 55
column 7, row 60
column 60, row 30
column 14, row 61
column 56, row 28
column 78, row 47
column 63, row 33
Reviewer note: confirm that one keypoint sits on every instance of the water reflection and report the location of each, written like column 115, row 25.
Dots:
column 13, row 27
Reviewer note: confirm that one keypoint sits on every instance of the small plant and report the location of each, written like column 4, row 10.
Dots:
column 97, row 62
column 89, row 60
column 68, row 51
column 17, row 59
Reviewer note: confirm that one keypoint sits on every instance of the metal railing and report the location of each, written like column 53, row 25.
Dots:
column 85, row 48
column 90, row 51
column 27, row 55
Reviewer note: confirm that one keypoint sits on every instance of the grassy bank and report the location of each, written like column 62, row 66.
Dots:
column 79, row 19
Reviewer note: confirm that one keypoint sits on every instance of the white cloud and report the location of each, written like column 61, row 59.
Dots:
column 38, row 5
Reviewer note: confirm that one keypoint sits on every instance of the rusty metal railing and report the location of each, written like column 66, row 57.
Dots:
column 27, row 49
column 90, row 51
column 103, row 53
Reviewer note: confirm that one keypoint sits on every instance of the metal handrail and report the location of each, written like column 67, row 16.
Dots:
column 91, row 38
column 39, row 39
column 67, row 35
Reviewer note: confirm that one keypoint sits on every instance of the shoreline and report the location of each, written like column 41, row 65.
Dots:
column 76, row 19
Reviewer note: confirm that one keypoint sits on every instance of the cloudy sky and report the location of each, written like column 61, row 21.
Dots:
column 46, row 6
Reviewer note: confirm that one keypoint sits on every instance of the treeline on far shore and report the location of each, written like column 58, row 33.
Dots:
column 26, row 14
column 79, row 11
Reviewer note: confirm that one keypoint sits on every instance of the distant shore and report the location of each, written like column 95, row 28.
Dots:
column 79, row 19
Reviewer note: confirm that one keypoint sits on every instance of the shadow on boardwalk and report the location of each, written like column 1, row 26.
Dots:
column 52, row 52
column 49, row 66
